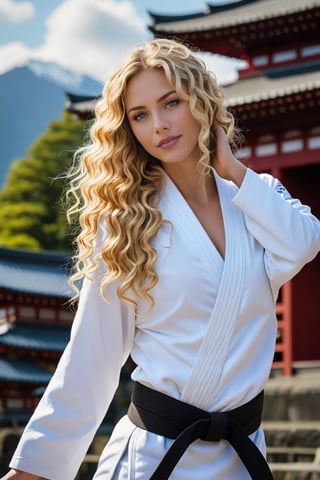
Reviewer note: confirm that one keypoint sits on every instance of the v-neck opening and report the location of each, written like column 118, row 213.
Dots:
column 196, row 219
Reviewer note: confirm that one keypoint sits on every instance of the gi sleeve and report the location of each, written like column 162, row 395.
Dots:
column 76, row 400
column 286, row 228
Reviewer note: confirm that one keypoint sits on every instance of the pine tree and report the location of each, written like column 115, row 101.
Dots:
column 31, row 211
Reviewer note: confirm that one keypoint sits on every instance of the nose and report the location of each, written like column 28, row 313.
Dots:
column 160, row 122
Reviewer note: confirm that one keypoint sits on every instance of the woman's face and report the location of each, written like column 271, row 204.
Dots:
column 160, row 120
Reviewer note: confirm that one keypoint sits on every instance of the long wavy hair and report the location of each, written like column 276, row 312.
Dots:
column 114, row 182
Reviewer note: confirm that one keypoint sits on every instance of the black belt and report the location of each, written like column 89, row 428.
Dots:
column 171, row 418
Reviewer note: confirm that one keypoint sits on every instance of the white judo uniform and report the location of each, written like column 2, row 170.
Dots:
column 209, row 340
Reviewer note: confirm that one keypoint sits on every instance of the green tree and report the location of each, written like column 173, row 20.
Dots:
column 31, row 212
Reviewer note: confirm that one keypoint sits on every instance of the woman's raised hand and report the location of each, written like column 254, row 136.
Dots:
column 225, row 163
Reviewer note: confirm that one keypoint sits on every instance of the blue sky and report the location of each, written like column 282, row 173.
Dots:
column 87, row 36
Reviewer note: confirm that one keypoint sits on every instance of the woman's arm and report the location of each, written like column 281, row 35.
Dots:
column 284, row 226
column 63, row 425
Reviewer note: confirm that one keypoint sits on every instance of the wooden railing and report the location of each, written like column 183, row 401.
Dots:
column 283, row 350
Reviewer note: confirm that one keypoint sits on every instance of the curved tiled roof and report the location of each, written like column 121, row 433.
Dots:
column 271, row 85
column 23, row 371
column 244, row 12
column 53, row 338
column 80, row 103
column 42, row 273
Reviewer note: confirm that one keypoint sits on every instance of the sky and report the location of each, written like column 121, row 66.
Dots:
column 89, row 37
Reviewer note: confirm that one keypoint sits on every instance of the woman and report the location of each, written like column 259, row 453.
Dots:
column 182, row 252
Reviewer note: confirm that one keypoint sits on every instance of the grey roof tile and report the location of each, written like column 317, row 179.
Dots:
column 42, row 273
column 251, row 12
column 269, row 85
column 14, row 370
column 36, row 337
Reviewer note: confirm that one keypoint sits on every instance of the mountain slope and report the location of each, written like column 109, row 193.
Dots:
column 31, row 97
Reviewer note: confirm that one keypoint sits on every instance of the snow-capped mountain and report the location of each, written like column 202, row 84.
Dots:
column 30, row 97
column 81, row 84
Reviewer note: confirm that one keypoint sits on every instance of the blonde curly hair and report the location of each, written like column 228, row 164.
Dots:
column 114, row 182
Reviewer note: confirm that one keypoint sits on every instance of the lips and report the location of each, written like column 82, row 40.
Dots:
column 168, row 142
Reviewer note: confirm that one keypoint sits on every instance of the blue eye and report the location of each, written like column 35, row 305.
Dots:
column 139, row 116
column 172, row 103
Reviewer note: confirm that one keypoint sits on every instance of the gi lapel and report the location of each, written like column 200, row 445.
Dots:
column 206, row 371
column 174, row 207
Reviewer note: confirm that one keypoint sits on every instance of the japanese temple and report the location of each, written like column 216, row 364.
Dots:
column 34, row 326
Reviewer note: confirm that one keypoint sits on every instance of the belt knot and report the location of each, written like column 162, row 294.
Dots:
column 217, row 427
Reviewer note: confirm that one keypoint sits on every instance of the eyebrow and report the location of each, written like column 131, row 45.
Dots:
column 141, row 107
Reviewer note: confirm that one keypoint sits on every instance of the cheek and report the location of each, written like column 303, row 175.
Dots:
column 196, row 128
column 140, row 134
column 194, row 123
column 189, row 121
column 144, row 138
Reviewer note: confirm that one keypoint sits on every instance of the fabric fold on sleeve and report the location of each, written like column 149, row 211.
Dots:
column 287, row 229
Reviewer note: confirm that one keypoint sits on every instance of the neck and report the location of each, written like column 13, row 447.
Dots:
column 192, row 185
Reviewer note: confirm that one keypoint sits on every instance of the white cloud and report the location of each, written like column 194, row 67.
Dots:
column 15, row 12
column 91, row 36
column 13, row 55
column 225, row 69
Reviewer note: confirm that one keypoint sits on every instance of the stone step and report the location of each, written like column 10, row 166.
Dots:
column 293, row 454
column 303, row 434
column 295, row 398
column 295, row 471
column 293, row 449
